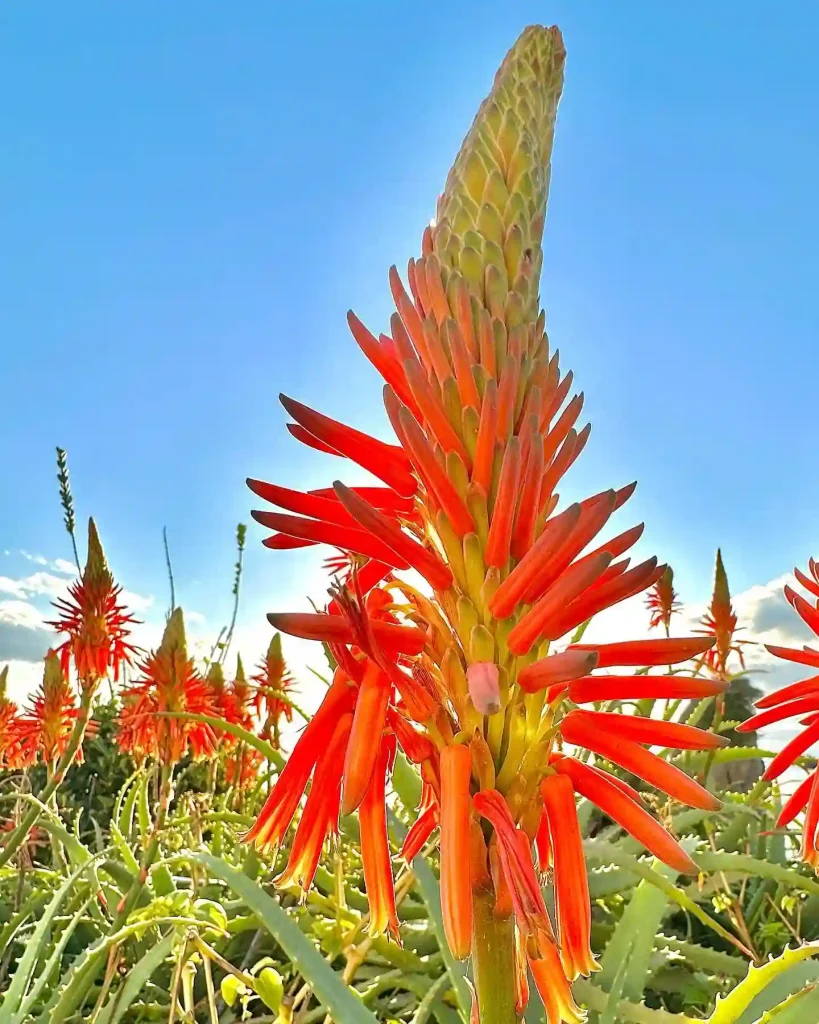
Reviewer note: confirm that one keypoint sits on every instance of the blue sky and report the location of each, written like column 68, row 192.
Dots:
column 193, row 194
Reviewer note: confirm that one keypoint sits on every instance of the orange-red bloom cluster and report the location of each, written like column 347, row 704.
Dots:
column 95, row 622
column 169, row 683
column 798, row 700
column 662, row 601
column 720, row 621
column 270, row 700
column 460, row 673
column 44, row 728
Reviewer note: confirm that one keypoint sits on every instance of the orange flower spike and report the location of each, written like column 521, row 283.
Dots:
column 45, row 727
column 8, row 714
column 553, row 987
column 662, row 601
column 578, row 730
column 720, row 621
column 368, row 725
column 320, row 815
column 94, row 620
column 456, row 887
column 571, row 884
column 169, row 683
column 375, row 850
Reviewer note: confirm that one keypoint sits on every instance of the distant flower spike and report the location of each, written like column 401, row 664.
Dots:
column 464, row 680
column 662, row 601
column 720, row 621
column 169, row 683
column 44, row 729
column 95, row 622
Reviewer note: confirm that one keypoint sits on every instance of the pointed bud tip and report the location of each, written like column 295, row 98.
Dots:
column 173, row 639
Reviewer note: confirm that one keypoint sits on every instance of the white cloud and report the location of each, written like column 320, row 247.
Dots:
column 37, row 559
column 64, row 566
column 20, row 613
column 137, row 602
column 10, row 586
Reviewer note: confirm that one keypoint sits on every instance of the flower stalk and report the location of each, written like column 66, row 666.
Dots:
column 493, row 961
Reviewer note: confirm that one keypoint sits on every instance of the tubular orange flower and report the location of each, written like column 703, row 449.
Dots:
column 456, row 887
column 553, row 987
column 607, row 792
column 273, row 683
column 280, row 807
column 375, row 849
column 169, row 684
column 44, row 729
column 579, row 729
column 515, row 856
column 571, row 885
column 486, row 427
column 319, row 818
column 662, row 601
column 96, row 623
column 368, row 725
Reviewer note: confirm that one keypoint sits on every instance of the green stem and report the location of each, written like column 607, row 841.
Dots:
column 129, row 900
column 19, row 835
column 493, row 962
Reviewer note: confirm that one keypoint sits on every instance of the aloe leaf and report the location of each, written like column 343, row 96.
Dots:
column 34, row 949
column 424, row 1009
column 730, row 1009
column 328, row 988
column 627, row 1013
column 120, row 1002
column 630, row 948
column 50, row 965
column 74, row 986
column 799, row 1008
column 703, row 958
column 611, row 854
column 743, row 864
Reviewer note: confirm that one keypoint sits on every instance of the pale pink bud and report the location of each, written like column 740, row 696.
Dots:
column 484, row 688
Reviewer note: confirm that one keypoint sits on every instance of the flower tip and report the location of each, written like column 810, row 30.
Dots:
column 95, row 565
column 173, row 639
